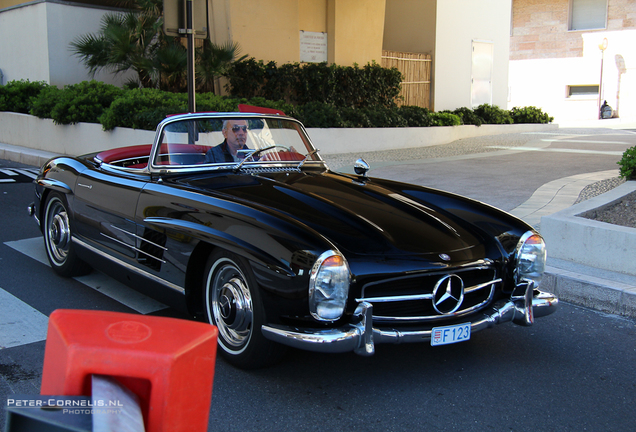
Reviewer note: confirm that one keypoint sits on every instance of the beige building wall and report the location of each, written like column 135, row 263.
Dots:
column 270, row 30
column 266, row 30
column 445, row 29
column 9, row 3
column 355, row 31
column 312, row 15
column 410, row 26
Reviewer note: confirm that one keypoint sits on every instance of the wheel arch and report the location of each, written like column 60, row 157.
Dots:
column 195, row 273
column 195, row 270
column 44, row 195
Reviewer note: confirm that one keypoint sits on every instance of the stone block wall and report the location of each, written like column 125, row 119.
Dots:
column 540, row 28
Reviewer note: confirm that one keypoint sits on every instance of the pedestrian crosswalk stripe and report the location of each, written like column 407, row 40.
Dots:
column 28, row 173
column 20, row 324
column 14, row 173
column 34, row 248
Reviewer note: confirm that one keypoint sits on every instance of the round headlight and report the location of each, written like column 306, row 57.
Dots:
column 531, row 258
column 329, row 287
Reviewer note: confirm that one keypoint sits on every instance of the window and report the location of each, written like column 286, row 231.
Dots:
column 580, row 91
column 588, row 14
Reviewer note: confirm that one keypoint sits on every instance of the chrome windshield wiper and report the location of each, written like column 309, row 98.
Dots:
column 307, row 156
column 252, row 155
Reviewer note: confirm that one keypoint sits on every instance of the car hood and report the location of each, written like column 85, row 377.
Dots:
column 369, row 216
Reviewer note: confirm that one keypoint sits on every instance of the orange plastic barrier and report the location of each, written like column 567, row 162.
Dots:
column 168, row 363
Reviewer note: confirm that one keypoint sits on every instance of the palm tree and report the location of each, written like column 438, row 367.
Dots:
column 214, row 61
column 135, row 41
column 126, row 41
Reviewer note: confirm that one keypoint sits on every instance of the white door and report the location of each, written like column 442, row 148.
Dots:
column 481, row 84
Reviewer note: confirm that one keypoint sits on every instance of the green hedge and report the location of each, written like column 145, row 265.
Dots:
column 96, row 102
column 530, row 114
column 340, row 86
column 83, row 102
column 490, row 114
column 17, row 96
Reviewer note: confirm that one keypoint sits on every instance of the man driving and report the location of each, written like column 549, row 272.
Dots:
column 235, row 134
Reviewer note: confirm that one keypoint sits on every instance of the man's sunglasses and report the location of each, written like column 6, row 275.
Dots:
column 237, row 128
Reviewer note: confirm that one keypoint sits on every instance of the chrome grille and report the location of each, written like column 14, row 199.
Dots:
column 268, row 170
column 410, row 298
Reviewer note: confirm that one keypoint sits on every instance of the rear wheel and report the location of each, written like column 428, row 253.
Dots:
column 57, row 238
column 232, row 304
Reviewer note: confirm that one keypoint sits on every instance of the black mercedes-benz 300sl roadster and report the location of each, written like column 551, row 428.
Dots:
column 235, row 218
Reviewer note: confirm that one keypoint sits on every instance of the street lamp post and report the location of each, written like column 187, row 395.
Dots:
column 602, row 46
column 192, row 107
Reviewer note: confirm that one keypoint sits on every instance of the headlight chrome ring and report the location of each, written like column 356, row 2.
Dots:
column 530, row 258
column 329, row 286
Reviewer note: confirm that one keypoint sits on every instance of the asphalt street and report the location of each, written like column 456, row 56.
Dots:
column 572, row 371
column 501, row 170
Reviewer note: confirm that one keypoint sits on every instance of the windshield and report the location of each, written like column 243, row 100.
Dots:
column 233, row 140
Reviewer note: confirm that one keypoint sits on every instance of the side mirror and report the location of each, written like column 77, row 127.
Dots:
column 361, row 167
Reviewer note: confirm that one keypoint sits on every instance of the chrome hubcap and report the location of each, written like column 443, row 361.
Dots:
column 230, row 301
column 58, row 231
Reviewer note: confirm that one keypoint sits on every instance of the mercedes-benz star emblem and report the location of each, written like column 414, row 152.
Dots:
column 445, row 257
column 448, row 294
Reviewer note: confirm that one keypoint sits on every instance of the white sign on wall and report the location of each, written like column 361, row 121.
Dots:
column 313, row 47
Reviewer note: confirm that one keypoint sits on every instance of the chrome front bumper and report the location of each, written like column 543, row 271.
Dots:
column 526, row 304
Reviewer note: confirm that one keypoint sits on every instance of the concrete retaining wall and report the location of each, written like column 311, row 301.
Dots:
column 42, row 134
column 597, row 244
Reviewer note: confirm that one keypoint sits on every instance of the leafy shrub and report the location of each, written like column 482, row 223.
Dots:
column 146, row 108
column 445, row 119
column 143, row 108
column 492, row 114
column 628, row 164
column 384, row 117
column 18, row 96
column 319, row 115
column 355, row 118
column 467, row 116
column 83, row 102
column 530, row 114
column 232, row 104
column 45, row 101
column 322, row 115
column 299, row 84
column 415, row 116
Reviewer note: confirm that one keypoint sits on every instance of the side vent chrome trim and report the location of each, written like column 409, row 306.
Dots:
column 130, row 267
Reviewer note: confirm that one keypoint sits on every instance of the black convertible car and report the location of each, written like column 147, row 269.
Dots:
column 235, row 218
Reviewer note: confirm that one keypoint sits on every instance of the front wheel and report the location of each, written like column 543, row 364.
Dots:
column 232, row 304
column 57, row 238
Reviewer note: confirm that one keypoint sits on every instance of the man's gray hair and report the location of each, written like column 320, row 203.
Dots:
column 225, row 122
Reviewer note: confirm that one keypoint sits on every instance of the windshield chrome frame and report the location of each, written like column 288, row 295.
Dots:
column 180, row 169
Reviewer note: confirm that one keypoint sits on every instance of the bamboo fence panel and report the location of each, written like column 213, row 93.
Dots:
column 416, row 73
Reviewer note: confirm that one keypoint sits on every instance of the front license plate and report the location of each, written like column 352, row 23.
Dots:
column 450, row 334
